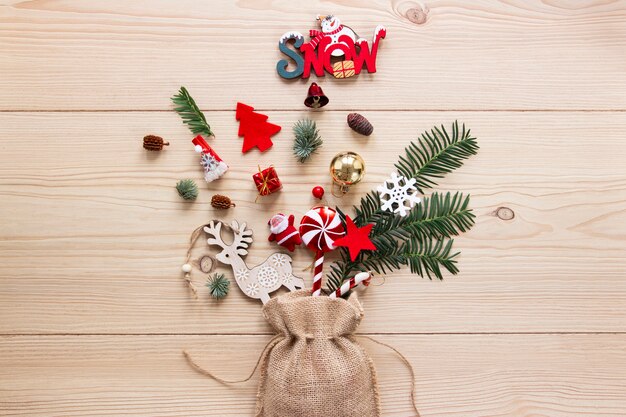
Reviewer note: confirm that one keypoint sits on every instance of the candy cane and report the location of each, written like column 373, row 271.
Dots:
column 361, row 277
column 319, row 228
column 318, row 270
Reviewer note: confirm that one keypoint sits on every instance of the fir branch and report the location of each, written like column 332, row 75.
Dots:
column 307, row 139
column 187, row 189
column 426, row 257
column 437, row 154
column 440, row 216
column 420, row 239
column 218, row 286
column 187, row 108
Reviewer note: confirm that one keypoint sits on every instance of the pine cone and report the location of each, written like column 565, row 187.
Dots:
column 221, row 202
column 154, row 143
column 360, row 124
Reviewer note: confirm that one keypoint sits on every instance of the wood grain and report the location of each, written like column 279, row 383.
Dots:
column 93, row 311
column 120, row 55
column 457, row 375
column 97, row 232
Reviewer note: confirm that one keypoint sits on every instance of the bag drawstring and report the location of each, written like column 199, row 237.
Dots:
column 408, row 365
column 268, row 347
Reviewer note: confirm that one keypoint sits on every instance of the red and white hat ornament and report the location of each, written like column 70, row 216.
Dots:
column 214, row 166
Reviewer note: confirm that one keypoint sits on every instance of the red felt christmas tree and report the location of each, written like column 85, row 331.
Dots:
column 254, row 128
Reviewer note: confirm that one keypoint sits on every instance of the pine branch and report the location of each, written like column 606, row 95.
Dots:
column 218, row 285
column 437, row 154
column 426, row 257
column 440, row 216
column 420, row 239
column 187, row 189
column 187, row 108
column 307, row 139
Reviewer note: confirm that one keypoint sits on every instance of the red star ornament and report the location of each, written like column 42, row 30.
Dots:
column 356, row 238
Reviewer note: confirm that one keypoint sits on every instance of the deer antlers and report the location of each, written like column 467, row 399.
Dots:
column 242, row 236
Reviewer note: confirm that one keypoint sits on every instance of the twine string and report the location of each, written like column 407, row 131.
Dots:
column 193, row 239
column 408, row 365
column 262, row 357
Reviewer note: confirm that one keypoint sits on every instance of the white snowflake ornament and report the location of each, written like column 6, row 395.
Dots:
column 398, row 194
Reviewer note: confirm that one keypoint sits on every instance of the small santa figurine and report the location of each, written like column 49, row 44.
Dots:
column 283, row 231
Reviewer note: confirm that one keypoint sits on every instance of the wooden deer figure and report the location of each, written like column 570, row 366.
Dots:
column 261, row 280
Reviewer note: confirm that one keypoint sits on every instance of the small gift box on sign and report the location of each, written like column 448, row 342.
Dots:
column 267, row 181
column 343, row 69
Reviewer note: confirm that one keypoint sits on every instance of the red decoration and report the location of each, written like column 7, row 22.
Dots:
column 267, row 181
column 214, row 166
column 318, row 192
column 319, row 228
column 356, row 238
column 254, row 128
column 283, row 231
column 315, row 97
column 333, row 40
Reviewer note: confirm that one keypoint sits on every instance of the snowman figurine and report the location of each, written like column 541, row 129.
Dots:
column 332, row 27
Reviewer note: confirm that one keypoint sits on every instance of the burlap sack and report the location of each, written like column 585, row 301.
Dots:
column 314, row 367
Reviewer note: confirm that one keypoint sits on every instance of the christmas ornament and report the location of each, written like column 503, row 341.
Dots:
column 315, row 97
column 221, row 202
column 318, row 192
column 307, row 139
column 214, row 167
column 188, row 110
column 254, row 128
column 319, row 228
column 361, row 277
column 333, row 40
column 356, row 238
column 154, row 143
column 206, row 264
column 360, row 124
column 283, row 231
column 422, row 239
column 343, row 69
column 267, row 181
column 261, row 280
column 187, row 189
column 398, row 194
column 347, row 169
column 218, row 286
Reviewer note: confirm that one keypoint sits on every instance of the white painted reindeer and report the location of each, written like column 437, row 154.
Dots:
column 261, row 280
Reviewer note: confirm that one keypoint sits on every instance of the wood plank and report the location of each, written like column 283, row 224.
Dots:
column 121, row 55
column 457, row 375
column 94, row 232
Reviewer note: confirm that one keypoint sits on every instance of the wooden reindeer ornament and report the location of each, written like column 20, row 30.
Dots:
column 261, row 280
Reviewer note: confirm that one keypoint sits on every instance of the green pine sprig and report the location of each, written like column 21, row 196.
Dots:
column 187, row 189
column 422, row 239
column 218, row 285
column 436, row 154
column 187, row 108
column 307, row 139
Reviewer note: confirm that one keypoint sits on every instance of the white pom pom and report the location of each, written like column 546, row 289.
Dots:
column 198, row 148
column 186, row 268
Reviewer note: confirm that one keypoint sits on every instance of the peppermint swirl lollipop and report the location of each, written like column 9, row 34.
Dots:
column 320, row 228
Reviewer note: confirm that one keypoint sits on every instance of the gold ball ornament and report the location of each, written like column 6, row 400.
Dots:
column 347, row 169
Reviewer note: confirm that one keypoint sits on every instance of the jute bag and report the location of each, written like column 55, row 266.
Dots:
column 314, row 366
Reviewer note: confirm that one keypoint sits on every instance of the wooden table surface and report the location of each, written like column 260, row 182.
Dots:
column 93, row 311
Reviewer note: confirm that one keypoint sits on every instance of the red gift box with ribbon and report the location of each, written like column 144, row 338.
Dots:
column 267, row 181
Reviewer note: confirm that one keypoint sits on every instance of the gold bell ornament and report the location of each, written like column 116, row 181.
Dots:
column 346, row 169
